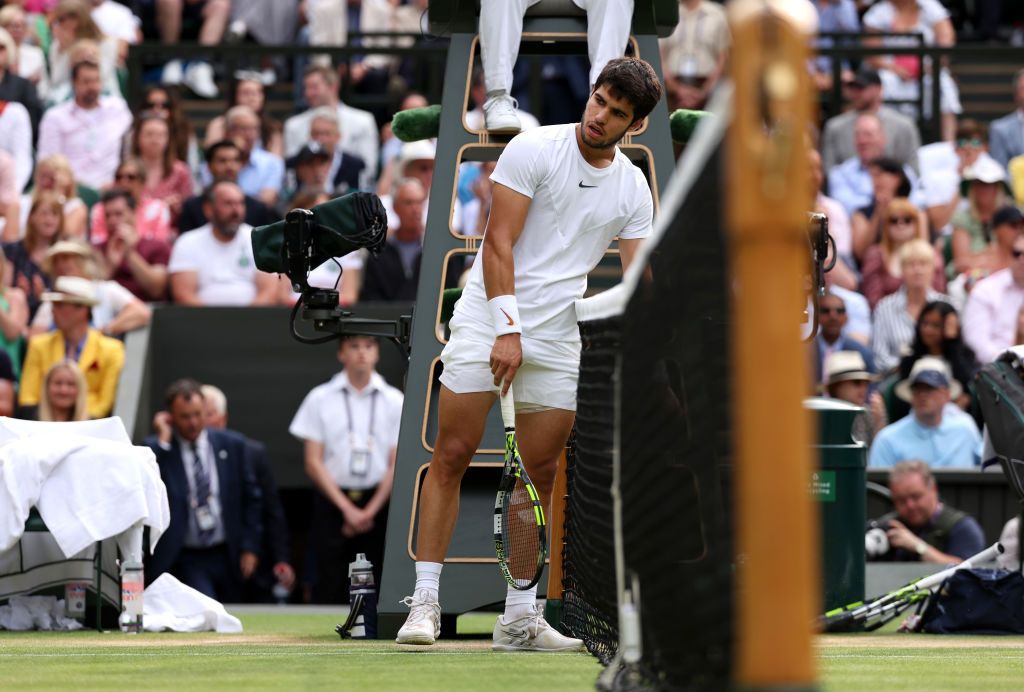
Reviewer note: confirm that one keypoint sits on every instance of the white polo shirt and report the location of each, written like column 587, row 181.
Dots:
column 226, row 271
column 349, row 424
column 575, row 213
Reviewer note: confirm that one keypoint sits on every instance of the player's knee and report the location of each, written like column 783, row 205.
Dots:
column 451, row 457
column 543, row 474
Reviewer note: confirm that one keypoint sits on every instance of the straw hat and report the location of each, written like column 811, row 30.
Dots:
column 843, row 366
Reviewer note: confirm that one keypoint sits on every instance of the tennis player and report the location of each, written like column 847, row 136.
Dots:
column 561, row 195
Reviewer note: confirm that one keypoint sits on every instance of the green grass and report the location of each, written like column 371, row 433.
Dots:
column 290, row 651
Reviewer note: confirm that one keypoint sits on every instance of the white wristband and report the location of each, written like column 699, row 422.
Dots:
column 505, row 315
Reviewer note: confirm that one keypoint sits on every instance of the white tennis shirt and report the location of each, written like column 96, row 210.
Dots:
column 576, row 212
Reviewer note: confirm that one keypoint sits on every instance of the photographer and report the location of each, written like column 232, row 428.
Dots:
column 922, row 528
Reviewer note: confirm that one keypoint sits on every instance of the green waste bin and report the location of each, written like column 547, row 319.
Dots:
column 839, row 486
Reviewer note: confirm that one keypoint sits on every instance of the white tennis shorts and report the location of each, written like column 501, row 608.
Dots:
column 546, row 379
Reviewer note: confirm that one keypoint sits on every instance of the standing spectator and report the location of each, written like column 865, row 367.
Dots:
column 262, row 173
column 167, row 178
column 212, row 543
column 830, row 339
column 248, row 91
column 64, row 393
column 14, row 88
column 13, row 320
column 902, row 139
column 693, row 57
column 25, row 257
column 930, row 432
column 275, row 553
column 358, row 128
column 29, row 61
column 1006, row 135
column 985, row 190
column 897, row 313
column 394, row 273
column 212, row 18
column 214, row 264
column 88, row 129
column 54, row 174
column 994, row 308
column 99, row 357
column 134, row 261
column 349, row 428
column 70, row 25
column 224, row 160
column 152, row 216
column 347, row 170
column 16, row 133
column 888, row 182
column 880, row 271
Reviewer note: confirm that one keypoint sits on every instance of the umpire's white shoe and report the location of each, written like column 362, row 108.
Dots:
column 423, row 625
column 531, row 633
column 500, row 115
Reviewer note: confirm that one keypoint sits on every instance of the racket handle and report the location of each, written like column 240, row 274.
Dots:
column 508, row 410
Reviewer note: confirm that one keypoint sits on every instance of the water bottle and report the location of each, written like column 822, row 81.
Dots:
column 132, row 585
column 74, row 599
column 280, row 593
column 362, row 592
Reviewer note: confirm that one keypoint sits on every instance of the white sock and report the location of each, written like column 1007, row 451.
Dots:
column 428, row 577
column 519, row 603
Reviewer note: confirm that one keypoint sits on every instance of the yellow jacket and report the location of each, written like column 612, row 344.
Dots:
column 101, row 361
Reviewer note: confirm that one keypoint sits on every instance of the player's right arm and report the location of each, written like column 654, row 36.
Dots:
column 508, row 215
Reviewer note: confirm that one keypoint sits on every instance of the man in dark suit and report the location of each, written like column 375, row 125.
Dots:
column 394, row 273
column 832, row 318
column 213, row 540
column 1006, row 135
column 346, row 169
column 224, row 160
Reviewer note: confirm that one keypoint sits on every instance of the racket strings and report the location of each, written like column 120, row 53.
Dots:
column 520, row 533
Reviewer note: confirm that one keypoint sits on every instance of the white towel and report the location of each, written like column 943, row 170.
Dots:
column 24, row 613
column 167, row 604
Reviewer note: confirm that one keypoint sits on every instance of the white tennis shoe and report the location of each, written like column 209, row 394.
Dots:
column 423, row 626
column 531, row 633
column 500, row 114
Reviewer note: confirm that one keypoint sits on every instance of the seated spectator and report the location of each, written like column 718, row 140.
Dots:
column 831, row 320
column 359, row 133
column 1007, row 226
column 1005, row 138
column 224, row 161
column 54, row 174
column 471, row 218
column 64, row 393
column 938, row 335
column 152, row 216
column 888, row 181
column 16, row 89
column 164, row 101
column 693, row 57
column 7, row 394
column 838, row 219
column 212, row 18
column 416, row 161
column 248, row 91
column 881, row 274
column 25, row 257
column 897, row 313
column 391, row 145
column 27, row 60
column 942, row 437
column 87, row 129
column 10, row 201
column 275, row 554
column 214, row 264
column 116, row 310
column 99, row 357
column 262, row 173
column 167, row 178
column 13, row 321
column 848, row 379
column 986, row 191
column 137, row 263
column 308, row 170
column 942, row 166
column 16, row 131
column 922, row 528
column 994, row 309
column 850, row 183
column 858, row 312
column 71, row 23
column 901, row 73
column 834, row 17
column 347, row 172
column 394, row 273
column 117, row 21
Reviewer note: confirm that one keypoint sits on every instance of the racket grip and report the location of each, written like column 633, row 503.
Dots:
column 508, row 410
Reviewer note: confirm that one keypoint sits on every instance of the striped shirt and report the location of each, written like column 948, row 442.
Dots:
column 893, row 328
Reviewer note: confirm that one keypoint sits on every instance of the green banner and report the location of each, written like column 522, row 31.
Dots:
column 823, row 486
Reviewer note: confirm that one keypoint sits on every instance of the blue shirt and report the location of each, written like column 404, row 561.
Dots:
column 849, row 183
column 834, row 18
column 955, row 443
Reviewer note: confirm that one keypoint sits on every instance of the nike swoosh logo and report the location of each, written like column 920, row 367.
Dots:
column 582, row 185
column 510, row 320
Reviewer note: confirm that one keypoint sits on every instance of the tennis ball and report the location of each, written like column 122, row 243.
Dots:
column 876, row 542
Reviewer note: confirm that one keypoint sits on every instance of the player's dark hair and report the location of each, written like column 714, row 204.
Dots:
column 634, row 80
column 185, row 388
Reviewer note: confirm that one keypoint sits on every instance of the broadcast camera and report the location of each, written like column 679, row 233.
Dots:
column 309, row 237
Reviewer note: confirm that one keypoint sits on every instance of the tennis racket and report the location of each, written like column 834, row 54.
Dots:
column 520, row 532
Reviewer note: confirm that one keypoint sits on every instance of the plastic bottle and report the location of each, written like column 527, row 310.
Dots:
column 362, row 593
column 74, row 599
column 132, row 585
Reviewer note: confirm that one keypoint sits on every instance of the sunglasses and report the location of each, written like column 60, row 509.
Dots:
column 901, row 219
column 829, row 311
column 157, row 104
column 127, row 176
column 973, row 142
